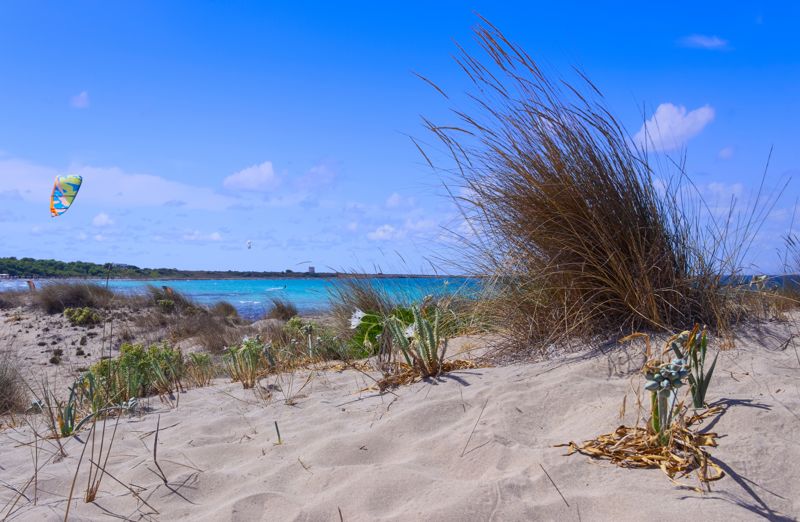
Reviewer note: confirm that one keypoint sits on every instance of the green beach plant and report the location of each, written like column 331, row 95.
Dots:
column 693, row 346
column 200, row 369
column 421, row 343
column 247, row 362
column 83, row 316
column 368, row 328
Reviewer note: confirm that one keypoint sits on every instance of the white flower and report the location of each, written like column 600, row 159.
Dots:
column 355, row 319
column 409, row 331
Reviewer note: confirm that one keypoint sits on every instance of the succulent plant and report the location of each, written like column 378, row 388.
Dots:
column 692, row 346
column 663, row 381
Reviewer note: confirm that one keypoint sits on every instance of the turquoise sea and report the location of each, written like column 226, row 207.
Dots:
column 251, row 297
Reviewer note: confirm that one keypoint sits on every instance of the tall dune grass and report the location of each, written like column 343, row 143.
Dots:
column 13, row 391
column 54, row 298
column 577, row 234
column 281, row 309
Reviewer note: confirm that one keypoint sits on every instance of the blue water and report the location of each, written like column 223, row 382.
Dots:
column 252, row 297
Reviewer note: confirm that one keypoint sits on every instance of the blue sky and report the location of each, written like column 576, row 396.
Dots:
column 201, row 125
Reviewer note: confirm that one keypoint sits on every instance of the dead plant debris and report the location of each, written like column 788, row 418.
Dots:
column 638, row 447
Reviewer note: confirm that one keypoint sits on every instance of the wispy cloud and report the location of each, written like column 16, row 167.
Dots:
column 671, row 126
column 256, row 178
column 317, row 177
column 108, row 186
column 726, row 153
column 102, row 220
column 701, row 41
column 385, row 233
column 80, row 101
column 397, row 201
column 196, row 235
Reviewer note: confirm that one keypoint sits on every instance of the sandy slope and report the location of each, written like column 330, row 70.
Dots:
column 399, row 457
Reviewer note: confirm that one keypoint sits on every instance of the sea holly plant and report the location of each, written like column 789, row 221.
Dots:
column 693, row 346
column 663, row 380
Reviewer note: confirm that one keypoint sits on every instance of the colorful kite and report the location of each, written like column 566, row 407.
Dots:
column 64, row 191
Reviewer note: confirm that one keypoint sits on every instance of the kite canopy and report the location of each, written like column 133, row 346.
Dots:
column 65, row 189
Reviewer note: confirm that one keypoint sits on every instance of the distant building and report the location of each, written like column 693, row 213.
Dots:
column 5, row 276
column 311, row 270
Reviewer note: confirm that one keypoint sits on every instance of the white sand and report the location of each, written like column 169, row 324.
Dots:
column 399, row 457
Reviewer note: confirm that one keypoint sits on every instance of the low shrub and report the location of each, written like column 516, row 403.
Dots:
column 170, row 298
column 84, row 316
column 137, row 372
column 166, row 305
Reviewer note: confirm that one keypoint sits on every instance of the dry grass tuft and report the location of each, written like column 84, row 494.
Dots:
column 400, row 374
column 281, row 309
column 225, row 309
column 13, row 390
column 580, row 238
column 54, row 298
column 13, row 299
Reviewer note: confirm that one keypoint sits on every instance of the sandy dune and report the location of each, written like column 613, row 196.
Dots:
column 409, row 455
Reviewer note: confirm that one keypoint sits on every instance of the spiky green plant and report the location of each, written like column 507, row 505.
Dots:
column 693, row 346
column 247, row 362
column 421, row 343
column 200, row 369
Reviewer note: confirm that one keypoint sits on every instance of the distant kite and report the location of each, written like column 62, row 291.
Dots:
column 249, row 245
column 65, row 189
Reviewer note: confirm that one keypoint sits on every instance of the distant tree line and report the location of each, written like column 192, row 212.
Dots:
column 29, row 267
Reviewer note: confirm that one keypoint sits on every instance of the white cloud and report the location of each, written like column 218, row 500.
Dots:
column 726, row 153
column 317, row 176
column 102, row 220
column 672, row 126
column 196, row 235
column 352, row 226
column 394, row 201
column 419, row 225
column 108, row 186
column 700, row 41
column 384, row 233
column 256, row 178
column 99, row 237
column 80, row 101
